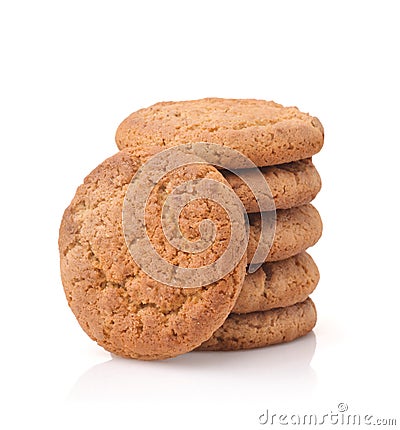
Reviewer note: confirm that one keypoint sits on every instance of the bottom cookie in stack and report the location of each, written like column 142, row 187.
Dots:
column 258, row 329
column 273, row 306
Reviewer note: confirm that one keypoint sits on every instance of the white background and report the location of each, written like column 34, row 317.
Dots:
column 70, row 72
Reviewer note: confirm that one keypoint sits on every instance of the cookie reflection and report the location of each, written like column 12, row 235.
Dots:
column 268, row 372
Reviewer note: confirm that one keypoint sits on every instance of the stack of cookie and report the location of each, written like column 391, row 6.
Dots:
column 130, row 313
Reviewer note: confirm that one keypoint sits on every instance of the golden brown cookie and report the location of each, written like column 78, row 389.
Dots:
column 115, row 302
column 292, row 184
column 260, row 329
column 265, row 132
column 278, row 284
column 296, row 230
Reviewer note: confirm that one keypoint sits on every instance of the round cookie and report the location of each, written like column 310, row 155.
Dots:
column 292, row 184
column 278, row 284
column 115, row 302
column 260, row 329
column 296, row 230
column 266, row 132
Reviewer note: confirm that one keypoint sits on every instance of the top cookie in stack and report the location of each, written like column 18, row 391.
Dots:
column 265, row 132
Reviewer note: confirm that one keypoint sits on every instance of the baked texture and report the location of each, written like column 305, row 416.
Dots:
column 260, row 329
column 114, row 301
column 266, row 132
column 291, row 184
column 296, row 230
column 278, row 284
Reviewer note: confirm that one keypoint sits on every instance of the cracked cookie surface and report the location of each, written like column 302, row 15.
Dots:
column 296, row 230
column 292, row 184
column 278, row 284
column 265, row 132
column 115, row 302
